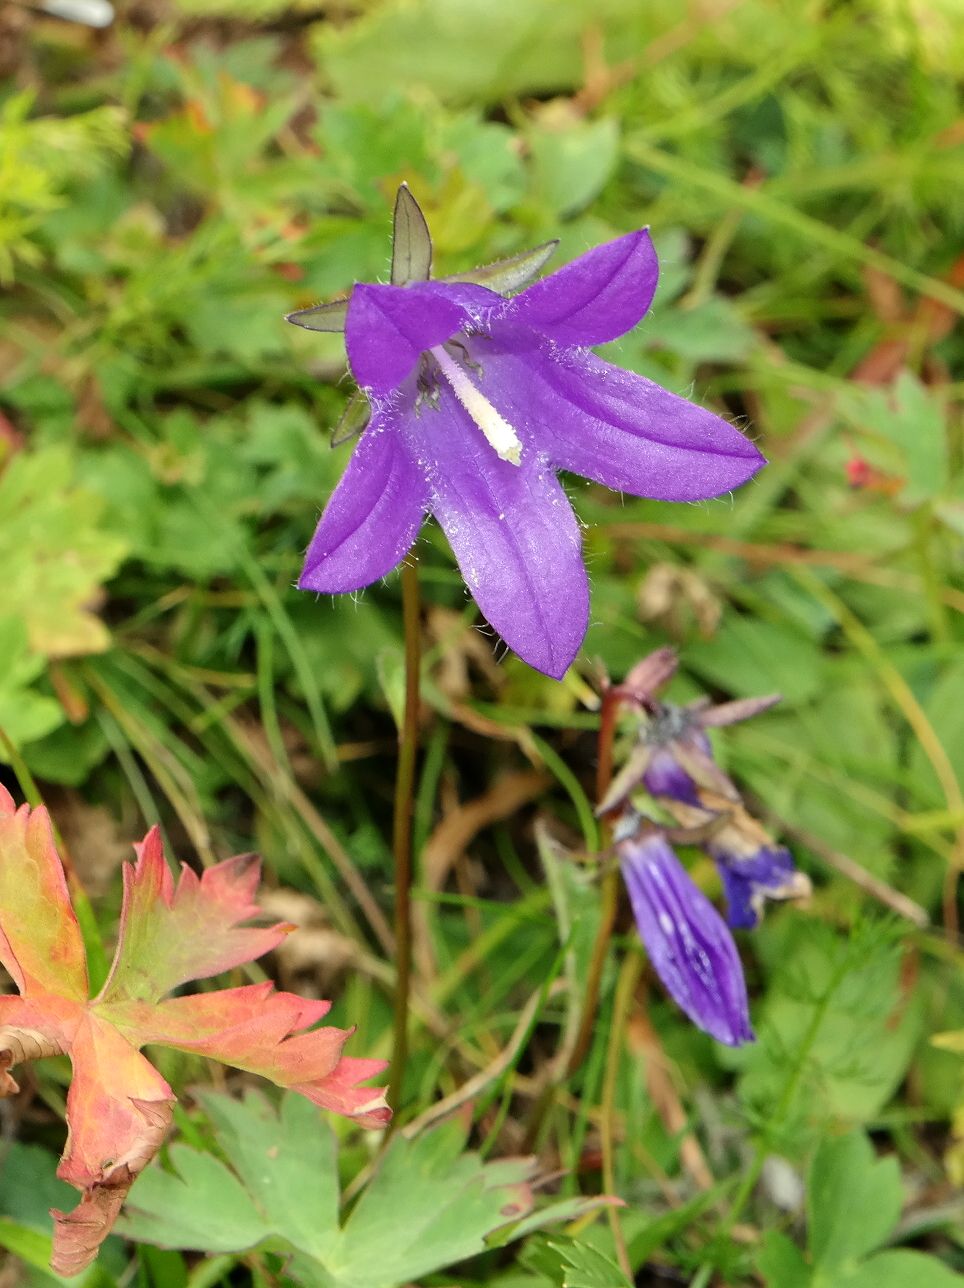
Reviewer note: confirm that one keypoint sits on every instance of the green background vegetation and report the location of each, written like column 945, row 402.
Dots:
column 169, row 188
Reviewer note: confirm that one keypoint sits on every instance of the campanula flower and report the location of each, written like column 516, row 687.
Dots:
column 477, row 401
column 673, row 761
column 687, row 940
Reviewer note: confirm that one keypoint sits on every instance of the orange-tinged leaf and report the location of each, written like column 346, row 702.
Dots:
column 170, row 934
column 40, row 941
column 119, row 1108
column 260, row 1030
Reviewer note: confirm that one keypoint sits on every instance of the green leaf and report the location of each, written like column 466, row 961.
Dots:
column 201, row 1204
column 573, row 165
column 25, row 714
column 781, row 1262
column 900, row 1269
column 428, row 1205
column 587, row 1268
column 304, row 1192
column 853, row 1200
column 55, row 554
column 468, row 52
column 833, row 1026
column 749, row 656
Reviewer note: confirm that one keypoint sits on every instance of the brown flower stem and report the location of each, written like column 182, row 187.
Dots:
column 402, row 829
column 609, row 889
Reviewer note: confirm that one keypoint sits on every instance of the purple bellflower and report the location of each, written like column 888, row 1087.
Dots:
column 673, row 761
column 477, row 400
column 687, row 940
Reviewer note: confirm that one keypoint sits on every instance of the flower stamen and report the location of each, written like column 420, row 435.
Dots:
column 499, row 434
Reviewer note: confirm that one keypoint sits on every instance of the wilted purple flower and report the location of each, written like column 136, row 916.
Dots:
column 673, row 760
column 477, row 401
column 753, row 869
column 687, row 940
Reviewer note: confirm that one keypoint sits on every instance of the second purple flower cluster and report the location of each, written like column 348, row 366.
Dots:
column 694, row 802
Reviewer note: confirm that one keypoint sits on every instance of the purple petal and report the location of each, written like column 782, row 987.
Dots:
column 513, row 533
column 389, row 327
column 373, row 516
column 750, row 879
column 611, row 425
column 665, row 776
column 687, row 939
column 599, row 296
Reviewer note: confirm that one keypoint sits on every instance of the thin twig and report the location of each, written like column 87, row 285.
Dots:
column 492, row 1071
column 859, row 875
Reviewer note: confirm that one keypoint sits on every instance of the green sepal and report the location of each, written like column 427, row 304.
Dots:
column 504, row 275
column 411, row 241
column 353, row 420
column 321, row 317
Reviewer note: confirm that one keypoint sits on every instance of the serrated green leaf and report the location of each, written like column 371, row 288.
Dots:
column 25, row 714
column 55, row 553
column 201, row 1204
column 587, row 1268
column 428, row 1205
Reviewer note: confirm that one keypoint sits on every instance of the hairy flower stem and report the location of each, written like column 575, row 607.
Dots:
column 402, row 829
column 610, row 889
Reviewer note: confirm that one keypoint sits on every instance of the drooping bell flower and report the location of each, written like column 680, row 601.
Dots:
column 691, row 949
column 477, row 400
column 673, row 761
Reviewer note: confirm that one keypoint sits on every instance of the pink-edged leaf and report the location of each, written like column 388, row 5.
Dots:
column 40, row 941
column 119, row 1110
column 32, row 1028
column 119, row 1106
column 171, row 934
column 261, row 1030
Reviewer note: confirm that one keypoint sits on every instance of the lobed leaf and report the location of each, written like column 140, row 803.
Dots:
column 169, row 935
column 428, row 1205
column 40, row 941
column 119, row 1108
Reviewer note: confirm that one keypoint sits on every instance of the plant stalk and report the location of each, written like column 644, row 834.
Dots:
column 609, row 889
column 402, row 829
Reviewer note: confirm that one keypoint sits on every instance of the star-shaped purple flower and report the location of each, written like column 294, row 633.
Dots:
column 477, row 401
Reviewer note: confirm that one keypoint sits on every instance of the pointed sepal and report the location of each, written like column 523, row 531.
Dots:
column 411, row 241
column 511, row 273
column 354, row 419
column 321, row 317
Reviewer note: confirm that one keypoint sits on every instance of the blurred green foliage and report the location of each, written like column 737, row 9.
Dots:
column 168, row 190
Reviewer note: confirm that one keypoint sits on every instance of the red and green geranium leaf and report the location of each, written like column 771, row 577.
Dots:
column 119, row 1106
column 170, row 934
column 40, row 941
column 263, row 1031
